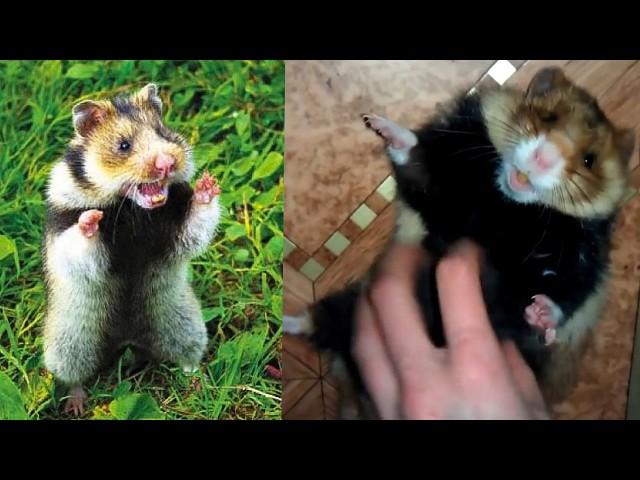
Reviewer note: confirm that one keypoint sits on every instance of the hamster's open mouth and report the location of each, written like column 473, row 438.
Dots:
column 149, row 195
column 519, row 181
column 516, row 184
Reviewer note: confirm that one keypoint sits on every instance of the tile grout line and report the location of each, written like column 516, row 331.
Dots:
column 300, row 360
column 298, row 400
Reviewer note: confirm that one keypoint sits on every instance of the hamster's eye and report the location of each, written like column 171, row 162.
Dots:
column 549, row 117
column 124, row 146
column 589, row 160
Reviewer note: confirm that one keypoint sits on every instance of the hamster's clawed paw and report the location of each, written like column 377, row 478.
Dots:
column 378, row 125
column 75, row 402
column 544, row 315
column 206, row 189
column 190, row 369
column 395, row 135
column 88, row 222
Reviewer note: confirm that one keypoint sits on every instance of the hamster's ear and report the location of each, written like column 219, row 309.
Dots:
column 546, row 80
column 625, row 140
column 87, row 116
column 149, row 93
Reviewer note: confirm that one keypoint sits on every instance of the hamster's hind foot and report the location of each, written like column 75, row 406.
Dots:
column 206, row 189
column 75, row 402
column 544, row 315
column 88, row 222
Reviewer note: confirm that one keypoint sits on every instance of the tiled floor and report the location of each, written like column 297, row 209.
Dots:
column 338, row 215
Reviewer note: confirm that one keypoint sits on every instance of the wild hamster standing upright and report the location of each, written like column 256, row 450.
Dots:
column 122, row 224
column 536, row 179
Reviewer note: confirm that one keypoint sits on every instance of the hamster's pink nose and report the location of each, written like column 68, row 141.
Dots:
column 544, row 157
column 165, row 165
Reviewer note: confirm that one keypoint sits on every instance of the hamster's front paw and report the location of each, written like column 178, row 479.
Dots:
column 190, row 369
column 395, row 135
column 75, row 402
column 544, row 315
column 88, row 222
column 206, row 189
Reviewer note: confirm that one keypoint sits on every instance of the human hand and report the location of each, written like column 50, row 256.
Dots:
column 474, row 377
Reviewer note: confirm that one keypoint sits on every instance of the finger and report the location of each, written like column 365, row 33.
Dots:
column 374, row 363
column 464, row 314
column 522, row 375
column 399, row 315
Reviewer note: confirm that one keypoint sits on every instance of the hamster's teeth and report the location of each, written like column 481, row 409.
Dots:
column 158, row 198
column 522, row 177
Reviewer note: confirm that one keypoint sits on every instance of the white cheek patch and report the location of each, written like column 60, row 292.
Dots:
column 63, row 191
column 103, row 182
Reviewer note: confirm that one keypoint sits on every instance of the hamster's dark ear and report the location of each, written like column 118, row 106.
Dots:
column 149, row 93
column 546, row 80
column 625, row 140
column 87, row 116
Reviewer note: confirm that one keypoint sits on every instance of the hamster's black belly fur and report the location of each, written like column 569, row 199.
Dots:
column 529, row 249
column 140, row 244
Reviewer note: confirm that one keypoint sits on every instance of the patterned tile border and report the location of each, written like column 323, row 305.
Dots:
column 312, row 266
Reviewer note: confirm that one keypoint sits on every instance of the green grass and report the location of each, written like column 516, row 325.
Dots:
column 233, row 115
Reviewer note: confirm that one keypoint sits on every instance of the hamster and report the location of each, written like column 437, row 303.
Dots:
column 536, row 178
column 122, row 224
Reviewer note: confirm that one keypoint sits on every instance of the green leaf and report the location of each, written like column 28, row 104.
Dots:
column 51, row 68
column 246, row 193
column 273, row 249
column 276, row 305
column 212, row 153
column 266, row 199
column 8, row 247
column 182, row 99
column 122, row 389
column 210, row 313
column 241, row 255
column 242, row 123
column 270, row 164
column 136, row 406
column 13, row 68
column 11, row 405
column 241, row 167
column 126, row 67
column 235, row 231
column 37, row 115
column 250, row 88
column 82, row 71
